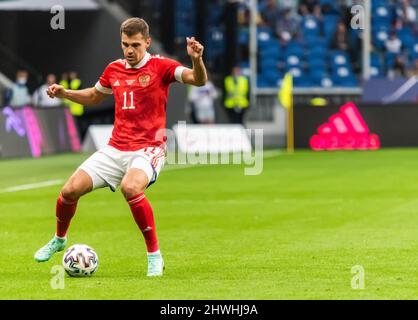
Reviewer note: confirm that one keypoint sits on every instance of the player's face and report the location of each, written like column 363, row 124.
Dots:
column 134, row 47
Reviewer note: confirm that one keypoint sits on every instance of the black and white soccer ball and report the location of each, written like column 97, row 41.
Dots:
column 80, row 260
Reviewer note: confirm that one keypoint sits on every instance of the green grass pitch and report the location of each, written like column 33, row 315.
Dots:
column 293, row 232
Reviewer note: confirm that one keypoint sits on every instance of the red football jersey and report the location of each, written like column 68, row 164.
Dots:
column 140, row 99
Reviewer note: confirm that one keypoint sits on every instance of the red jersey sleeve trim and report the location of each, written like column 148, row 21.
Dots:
column 178, row 73
column 103, row 89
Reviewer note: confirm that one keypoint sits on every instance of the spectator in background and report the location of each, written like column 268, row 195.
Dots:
column 406, row 15
column 64, row 80
column 69, row 80
column 270, row 13
column 398, row 69
column 340, row 38
column 288, row 26
column 310, row 7
column 202, row 100
column 236, row 99
column 18, row 95
column 393, row 44
column 76, row 109
column 288, row 4
column 413, row 72
column 74, row 83
column 40, row 97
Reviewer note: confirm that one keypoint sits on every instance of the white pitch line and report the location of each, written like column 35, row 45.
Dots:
column 31, row 186
column 56, row 182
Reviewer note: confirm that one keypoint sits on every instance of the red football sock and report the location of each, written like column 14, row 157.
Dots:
column 65, row 211
column 144, row 218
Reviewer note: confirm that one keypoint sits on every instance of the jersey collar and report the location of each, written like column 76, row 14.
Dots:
column 140, row 64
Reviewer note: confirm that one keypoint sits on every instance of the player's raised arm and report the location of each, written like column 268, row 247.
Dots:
column 198, row 75
column 87, row 97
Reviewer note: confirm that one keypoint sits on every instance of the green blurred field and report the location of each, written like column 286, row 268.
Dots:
column 293, row 232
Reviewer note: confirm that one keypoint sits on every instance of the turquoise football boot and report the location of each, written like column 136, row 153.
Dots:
column 47, row 251
column 155, row 265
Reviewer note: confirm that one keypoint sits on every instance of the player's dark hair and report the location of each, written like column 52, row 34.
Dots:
column 133, row 26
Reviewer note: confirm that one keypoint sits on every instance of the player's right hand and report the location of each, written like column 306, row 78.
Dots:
column 56, row 90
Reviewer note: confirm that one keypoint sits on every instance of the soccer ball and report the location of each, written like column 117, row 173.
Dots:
column 80, row 260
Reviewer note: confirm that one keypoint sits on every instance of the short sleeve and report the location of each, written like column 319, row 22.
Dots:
column 103, row 85
column 171, row 70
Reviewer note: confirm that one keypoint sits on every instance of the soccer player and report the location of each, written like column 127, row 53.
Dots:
column 136, row 151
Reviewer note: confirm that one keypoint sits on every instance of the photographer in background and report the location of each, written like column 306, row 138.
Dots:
column 40, row 97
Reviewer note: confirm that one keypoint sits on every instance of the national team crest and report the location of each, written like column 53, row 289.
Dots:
column 144, row 80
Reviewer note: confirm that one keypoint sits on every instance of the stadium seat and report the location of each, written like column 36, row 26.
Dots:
column 376, row 65
column 376, row 72
column 294, row 48
column 318, row 64
column 380, row 35
column 343, row 77
column 262, row 81
column 214, row 15
column 318, row 52
column 267, row 64
column 320, row 78
column 316, row 74
column 414, row 52
column 300, row 79
column 329, row 5
column 293, row 61
column 310, row 26
column 376, row 3
column 389, row 59
column 313, row 41
column 264, row 35
column 407, row 38
column 382, row 14
column 330, row 24
column 272, row 77
column 408, row 43
column 272, row 49
column 339, row 58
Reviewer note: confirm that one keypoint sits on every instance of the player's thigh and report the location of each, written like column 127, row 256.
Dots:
column 77, row 185
column 104, row 168
column 135, row 181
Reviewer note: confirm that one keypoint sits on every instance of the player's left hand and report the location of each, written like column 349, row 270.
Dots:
column 194, row 48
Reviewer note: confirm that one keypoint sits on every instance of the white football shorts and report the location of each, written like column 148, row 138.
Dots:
column 107, row 166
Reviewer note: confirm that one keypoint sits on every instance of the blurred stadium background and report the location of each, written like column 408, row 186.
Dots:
column 353, row 88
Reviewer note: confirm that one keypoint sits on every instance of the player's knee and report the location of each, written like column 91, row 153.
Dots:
column 70, row 192
column 130, row 189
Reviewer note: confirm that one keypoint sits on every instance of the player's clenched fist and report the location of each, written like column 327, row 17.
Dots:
column 194, row 48
column 55, row 91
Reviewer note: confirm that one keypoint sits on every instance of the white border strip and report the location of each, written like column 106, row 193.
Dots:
column 49, row 183
column 31, row 186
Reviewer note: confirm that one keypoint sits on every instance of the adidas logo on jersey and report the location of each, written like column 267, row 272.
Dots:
column 116, row 84
column 345, row 130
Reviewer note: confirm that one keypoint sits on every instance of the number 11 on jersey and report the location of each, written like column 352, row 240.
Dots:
column 131, row 93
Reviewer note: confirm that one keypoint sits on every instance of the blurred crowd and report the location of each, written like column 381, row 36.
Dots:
column 19, row 95
column 397, row 19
